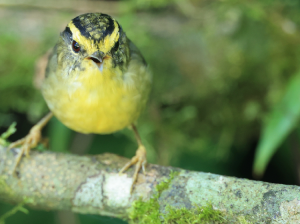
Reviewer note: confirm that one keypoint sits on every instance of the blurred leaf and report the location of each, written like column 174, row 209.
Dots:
column 12, row 129
column 31, row 216
column 14, row 210
column 281, row 121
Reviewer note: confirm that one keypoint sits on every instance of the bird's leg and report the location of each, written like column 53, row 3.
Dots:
column 139, row 159
column 31, row 140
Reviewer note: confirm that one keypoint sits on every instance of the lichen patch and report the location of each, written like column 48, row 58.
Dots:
column 290, row 212
column 90, row 193
column 117, row 190
column 224, row 192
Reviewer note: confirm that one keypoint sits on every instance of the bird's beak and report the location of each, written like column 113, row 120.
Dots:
column 97, row 57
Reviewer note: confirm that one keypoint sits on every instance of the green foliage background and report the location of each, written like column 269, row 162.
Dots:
column 225, row 73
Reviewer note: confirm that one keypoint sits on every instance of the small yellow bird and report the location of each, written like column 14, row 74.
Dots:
column 96, row 81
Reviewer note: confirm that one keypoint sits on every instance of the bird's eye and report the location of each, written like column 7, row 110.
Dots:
column 75, row 46
column 116, row 47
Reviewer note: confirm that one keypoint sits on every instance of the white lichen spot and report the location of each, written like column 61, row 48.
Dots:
column 290, row 212
column 222, row 180
column 117, row 190
column 90, row 193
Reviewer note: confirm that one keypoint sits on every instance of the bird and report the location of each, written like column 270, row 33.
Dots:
column 96, row 81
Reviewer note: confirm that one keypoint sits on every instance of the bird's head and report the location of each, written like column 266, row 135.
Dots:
column 94, row 38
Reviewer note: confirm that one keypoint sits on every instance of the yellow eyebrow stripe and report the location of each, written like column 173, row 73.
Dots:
column 110, row 40
column 90, row 45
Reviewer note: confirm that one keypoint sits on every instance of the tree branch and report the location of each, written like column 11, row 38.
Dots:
column 91, row 184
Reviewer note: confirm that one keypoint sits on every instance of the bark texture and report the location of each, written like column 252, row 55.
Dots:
column 91, row 184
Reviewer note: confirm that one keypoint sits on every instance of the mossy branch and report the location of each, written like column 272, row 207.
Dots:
column 91, row 184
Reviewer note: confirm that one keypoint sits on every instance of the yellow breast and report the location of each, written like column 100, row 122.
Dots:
column 90, row 101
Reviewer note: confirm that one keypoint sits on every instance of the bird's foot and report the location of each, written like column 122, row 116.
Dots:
column 28, row 142
column 140, row 160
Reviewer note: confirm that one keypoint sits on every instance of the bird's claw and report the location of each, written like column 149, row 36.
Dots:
column 140, row 160
column 28, row 142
